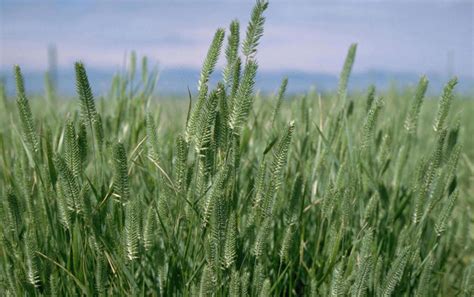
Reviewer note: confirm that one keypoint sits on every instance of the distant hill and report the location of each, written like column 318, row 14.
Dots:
column 176, row 80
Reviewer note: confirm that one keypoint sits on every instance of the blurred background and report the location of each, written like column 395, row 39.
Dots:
column 305, row 40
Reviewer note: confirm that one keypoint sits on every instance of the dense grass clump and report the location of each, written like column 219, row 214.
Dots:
column 239, row 194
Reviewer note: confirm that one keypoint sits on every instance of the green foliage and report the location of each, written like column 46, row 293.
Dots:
column 121, row 182
column 24, row 110
column 3, row 94
column 243, row 99
column 423, row 286
column 346, row 72
column 89, row 113
column 279, row 98
column 280, row 156
column 211, row 58
column 445, row 104
column 214, row 194
column 370, row 123
column 364, row 266
column 234, row 287
column 69, row 187
column 395, row 273
column 132, row 228
column 265, row 291
column 411, row 121
column 207, row 69
column 88, row 110
column 231, row 52
column 152, row 138
column 337, row 282
column 446, row 210
column 32, row 273
column 130, row 196
column 206, row 282
column 254, row 29
column 72, row 150
column 230, row 252
column 370, row 97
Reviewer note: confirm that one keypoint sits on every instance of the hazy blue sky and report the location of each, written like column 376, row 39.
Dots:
column 302, row 35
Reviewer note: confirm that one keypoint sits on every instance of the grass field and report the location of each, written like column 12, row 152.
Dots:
column 238, row 193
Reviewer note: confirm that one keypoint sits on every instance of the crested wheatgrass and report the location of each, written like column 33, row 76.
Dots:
column 236, row 194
